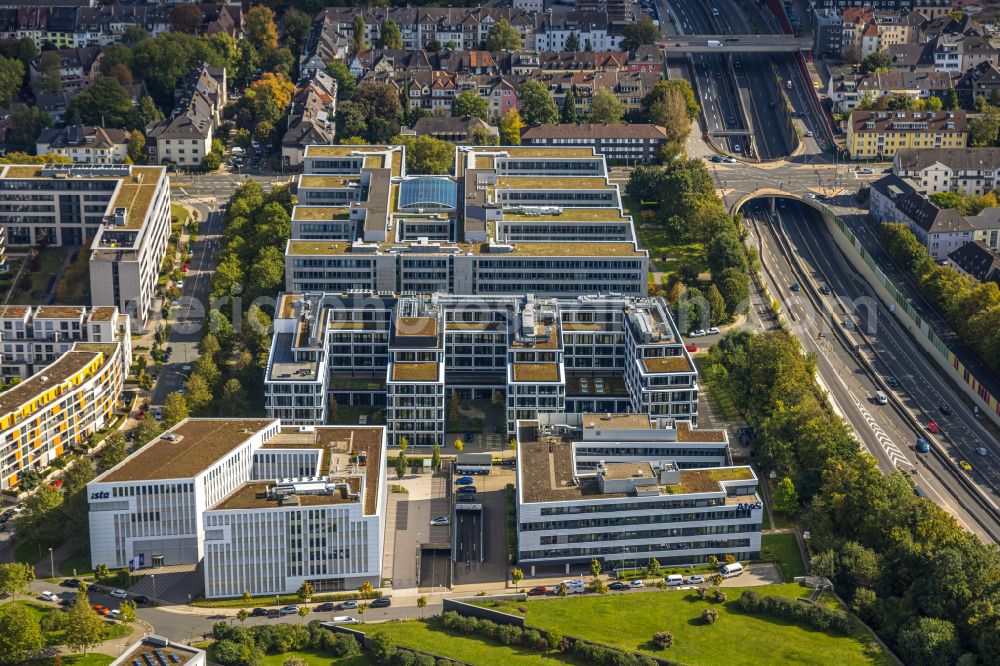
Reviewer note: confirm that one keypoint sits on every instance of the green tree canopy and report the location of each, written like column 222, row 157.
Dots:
column 537, row 105
column 471, row 103
column 427, row 155
column 20, row 634
column 390, row 35
column 606, row 108
column 503, row 37
column 639, row 33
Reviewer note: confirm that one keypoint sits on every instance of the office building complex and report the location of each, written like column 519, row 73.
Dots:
column 625, row 513
column 32, row 337
column 407, row 356
column 266, row 508
column 58, row 407
column 510, row 220
column 123, row 211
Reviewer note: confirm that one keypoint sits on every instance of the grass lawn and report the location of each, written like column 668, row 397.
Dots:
column 52, row 261
column 427, row 635
column 112, row 631
column 77, row 564
column 736, row 638
column 765, row 523
column 665, row 256
column 92, row 659
column 784, row 551
column 317, row 659
column 717, row 393
column 29, row 552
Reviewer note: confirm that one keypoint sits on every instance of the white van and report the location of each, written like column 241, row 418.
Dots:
column 674, row 579
column 881, row 398
column 731, row 570
column 574, row 586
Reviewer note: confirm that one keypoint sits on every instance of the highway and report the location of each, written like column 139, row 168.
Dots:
column 859, row 347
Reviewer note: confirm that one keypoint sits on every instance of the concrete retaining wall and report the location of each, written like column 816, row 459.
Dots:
column 482, row 613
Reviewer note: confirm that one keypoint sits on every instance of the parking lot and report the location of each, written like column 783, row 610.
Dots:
column 408, row 525
column 469, row 570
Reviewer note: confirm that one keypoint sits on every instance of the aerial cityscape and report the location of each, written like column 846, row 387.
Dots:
column 599, row 332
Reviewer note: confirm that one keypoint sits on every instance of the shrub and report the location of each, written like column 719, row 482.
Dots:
column 817, row 617
column 703, row 593
column 710, row 615
column 721, row 596
column 403, row 658
column 663, row 639
column 508, row 634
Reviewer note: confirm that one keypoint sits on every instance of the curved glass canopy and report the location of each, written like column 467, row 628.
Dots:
column 428, row 193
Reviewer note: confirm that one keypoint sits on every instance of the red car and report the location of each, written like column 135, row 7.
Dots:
column 101, row 610
column 56, row 484
column 933, row 427
column 140, row 416
column 537, row 591
column 691, row 348
column 184, row 268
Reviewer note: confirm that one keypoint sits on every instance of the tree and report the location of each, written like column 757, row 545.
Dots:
column 378, row 100
column 516, row 576
column 664, row 89
column 303, row 611
column 295, row 661
column 928, row 641
column 185, row 18
column 786, row 498
column 950, row 101
column 663, row 639
column 503, row 37
column 567, row 115
column 20, row 634
column 225, row 46
column 670, row 113
column 717, row 314
column 595, row 567
column 147, row 431
column 389, row 35
column 104, row 103
column 459, row 445
column 605, row 108
column 537, row 104
column 15, row 577
column 710, row 615
column 382, row 647
column 175, row 409
column 269, row 96
column 597, row 585
column 572, row 43
column 85, row 628
column 114, row 451
column 358, row 34
column 879, row 61
column 401, row 464
column 983, row 130
column 242, row 615
column 48, row 79
column 75, row 508
column 471, row 103
column 734, row 285
column 126, row 612
column 26, row 123
column 137, row 147
column 295, row 26
column 510, row 128
column 305, row 592
column 259, row 28
column 426, row 155
column 345, row 80
column 41, row 520
column 421, row 604
column 637, row 34
column 11, row 75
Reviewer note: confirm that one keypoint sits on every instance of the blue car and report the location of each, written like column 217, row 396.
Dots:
column 922, row 445
column 464, row 481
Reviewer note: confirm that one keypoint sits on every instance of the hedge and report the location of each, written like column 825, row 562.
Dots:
column 815, row 616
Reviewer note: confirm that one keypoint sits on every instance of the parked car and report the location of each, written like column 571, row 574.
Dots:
column 981, row 450
column 865, row 171
column 635, row 584
column 273, row 613
column 141, row 600
column 343, row 619
column 348, row 605
column 714, row 330
column 440, row 520
column 697, row 333
column 467, row 490
column 290, row 609
column 71, row 582
column 101, row 610
column 258, row 612
column 48, row 596
column 325, row 608
column 464, row 481
column 158, row 413
column 118, row 593
column 618, row 586
column 67, row 601
column 381, row 602
column 695, row 580
column 691, row 348
column 537, row 591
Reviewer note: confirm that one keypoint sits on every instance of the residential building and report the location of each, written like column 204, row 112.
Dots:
column 34, row 336
column 455, row 234
column 408, row 355
column 977, row 260
column 85, row 144
column 883, row 194
column 828, row 32
column 929, row 8
column 959, row 53
column 464, row 130
column 982, row 80
column 125, row 209
column 58, row 408
column 78, row 68
column 632, row 143
column 847, row 90
column 153, row 649
column 185, row 138
column 311, row 118
column 970, row 170
column 866, row 30
column 264, row 508
column 626, row 513
column 941, row 230
column 592, row 28
column 880, row 134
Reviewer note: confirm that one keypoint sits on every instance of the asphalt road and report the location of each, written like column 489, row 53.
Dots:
column 888, row 433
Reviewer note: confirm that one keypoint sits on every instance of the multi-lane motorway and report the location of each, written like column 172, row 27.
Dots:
column 861, row 349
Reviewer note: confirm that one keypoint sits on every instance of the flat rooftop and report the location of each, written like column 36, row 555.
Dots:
column 59, row 312
column 686, row 433
column 342, row 150
column 570, row 215
column 553, row 183
column 415, row 372
column 320, row 213
column 536, row 372
column 175, row 654
column 329, row 181
column 618, row 421
column 521, row 248
column 667, row 364
column 201, row 443
column 253, row 495
column 45, row 379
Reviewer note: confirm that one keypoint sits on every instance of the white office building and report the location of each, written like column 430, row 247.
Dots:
column 626, row 513
column 265, row 508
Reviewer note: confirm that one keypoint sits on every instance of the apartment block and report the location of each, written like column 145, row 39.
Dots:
column 32, row 337
column 510, row 220
column 58, row 407
column 408, row 355
column 969, row 170
column 624, row 513
column 85, row 144
column 122, row 210
column 264, row 507
column 880, row 134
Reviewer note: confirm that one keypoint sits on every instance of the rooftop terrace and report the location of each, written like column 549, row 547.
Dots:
column 320, row 213
column 253, row 495
column 570, row 215
column 49, row 377
column 552, row 183
column 415, row 372
column 536, row 372
column 329, row 182
column 667, row 364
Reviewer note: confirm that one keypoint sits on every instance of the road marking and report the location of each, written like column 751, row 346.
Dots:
column 896, row 456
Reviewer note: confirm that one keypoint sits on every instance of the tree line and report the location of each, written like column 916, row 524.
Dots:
column 971, row 308
column 925, row 584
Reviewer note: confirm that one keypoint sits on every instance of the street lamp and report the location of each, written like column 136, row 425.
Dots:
column 153, row 578
column 52, row 566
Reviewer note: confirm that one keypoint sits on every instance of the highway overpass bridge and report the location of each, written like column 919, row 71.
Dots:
column 683, row 44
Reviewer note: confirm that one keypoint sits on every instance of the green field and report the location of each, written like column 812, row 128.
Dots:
column 783, row 550
column 92, row 659
column 51, row 262
column 77, row 564
column 316, row 659
column 736, row 638
column 717, row 393
column 112, row 630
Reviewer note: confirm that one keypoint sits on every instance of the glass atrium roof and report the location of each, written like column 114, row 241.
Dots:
column 428, row 192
